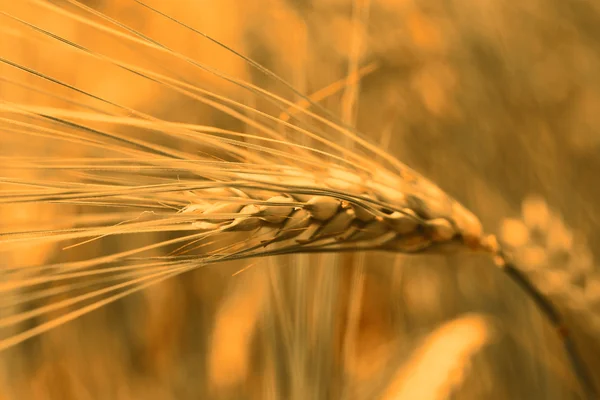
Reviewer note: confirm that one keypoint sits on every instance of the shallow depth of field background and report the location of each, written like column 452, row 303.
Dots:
column 492, row 100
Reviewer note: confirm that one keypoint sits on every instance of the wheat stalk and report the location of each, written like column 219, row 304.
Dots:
column 273, row 194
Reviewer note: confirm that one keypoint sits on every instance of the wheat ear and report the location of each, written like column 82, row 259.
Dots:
column 560, row 269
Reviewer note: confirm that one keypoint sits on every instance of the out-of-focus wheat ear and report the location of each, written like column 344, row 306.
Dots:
column 356, row 291
column 234, row 328
column 441, row 362
column 556, row 267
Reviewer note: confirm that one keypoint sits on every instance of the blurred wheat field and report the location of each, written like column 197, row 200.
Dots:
column 492, row 101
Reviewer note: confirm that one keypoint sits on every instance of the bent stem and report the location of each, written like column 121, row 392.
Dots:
column 557, row 321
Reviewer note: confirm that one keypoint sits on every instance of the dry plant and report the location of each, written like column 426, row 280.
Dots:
column 560, row 265
column 249, row 170
column 424, row 376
